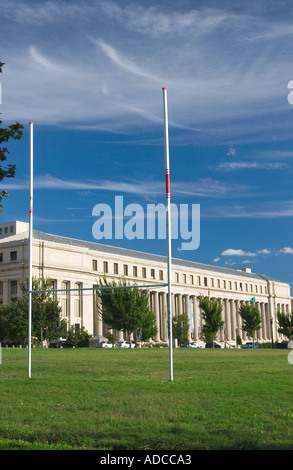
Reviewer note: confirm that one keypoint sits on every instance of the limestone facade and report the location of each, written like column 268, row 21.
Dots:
column 76, row 264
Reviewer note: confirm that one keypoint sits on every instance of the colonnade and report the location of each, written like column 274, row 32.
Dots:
column 188, row 303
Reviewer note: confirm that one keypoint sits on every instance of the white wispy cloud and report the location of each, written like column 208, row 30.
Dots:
column 256, row 210
column 247, row 257
column 205, row 188
column 234, row 166
column 237, row 252
column 220, row 78
column 287, row 250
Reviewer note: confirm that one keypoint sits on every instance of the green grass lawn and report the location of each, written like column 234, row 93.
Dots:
column 123, row 399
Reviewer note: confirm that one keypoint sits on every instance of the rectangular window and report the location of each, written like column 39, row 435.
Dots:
column 144, row 273
column 1, row 288
column 135, row 271
column 65, row 298
column 115, row 268
column 176, row 277
column 205, row 281
column 13, row 255
column 77, row 300
column 184, row 278
column 13, row 287
column 95, row 265
column 1, row 257
column 191, row 279
column 198, row 281
column 105, row 267
column 161, row 275
column 152, row 273
column 125, row 269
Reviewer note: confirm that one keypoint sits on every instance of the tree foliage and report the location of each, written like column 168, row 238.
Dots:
column 14, row 131
column 180, row 327
column 285, row 324
column 212, row 315
column 79, row 338
column 45, row 315
column 251, row 319
column 126, row 309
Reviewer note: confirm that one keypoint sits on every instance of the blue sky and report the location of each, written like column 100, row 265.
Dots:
column 89, row 74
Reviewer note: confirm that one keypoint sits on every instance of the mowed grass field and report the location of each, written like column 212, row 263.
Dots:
column 123, row 399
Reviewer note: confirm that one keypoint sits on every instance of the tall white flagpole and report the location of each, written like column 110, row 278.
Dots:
column 168, row 231
column 30, row 283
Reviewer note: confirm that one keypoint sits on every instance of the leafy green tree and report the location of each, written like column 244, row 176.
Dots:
column 251, row 319
column 45, row 309
column 212, row 315
column 14, row 322
column 180, row 327
column 111, row 338
column 11, row 132
column 79, row 338
column 125, row 309
column 285, row 324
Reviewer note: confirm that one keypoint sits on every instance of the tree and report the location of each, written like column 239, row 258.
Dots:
column 45, row 309
column 251, row 319
column 180, row 328
column 46, row 322
column 285, row 324
column 126, row 309
column 212, row 315
column 11, row 132
column 14, row 322
column 79, row 338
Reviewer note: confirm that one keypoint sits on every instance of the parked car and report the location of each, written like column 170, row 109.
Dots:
column 281, row 346
column 124, row 344
column 249, row 345
column 210, row 345
column 61, row 344
column 104, row 344
column 189, row 345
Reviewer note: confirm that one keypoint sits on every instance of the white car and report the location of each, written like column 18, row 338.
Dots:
column 189, row 345
column 104, row 344
column 124, row 344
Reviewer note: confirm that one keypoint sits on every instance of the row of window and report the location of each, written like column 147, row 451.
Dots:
column 65, row 299
column 12, row 289
column 127, row 270
column 6, row 230
column 183, row 278
column 12, row 256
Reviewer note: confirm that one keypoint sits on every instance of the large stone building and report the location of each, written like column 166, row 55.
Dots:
column 76, row 264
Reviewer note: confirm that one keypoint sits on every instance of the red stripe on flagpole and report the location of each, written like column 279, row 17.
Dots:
column 167, row 183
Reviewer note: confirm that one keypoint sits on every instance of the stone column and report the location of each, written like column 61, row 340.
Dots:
column 195, row 317
column 227, row 319
column 157, row 314
column 179, row 298
column 187, row 311
column 233, row 318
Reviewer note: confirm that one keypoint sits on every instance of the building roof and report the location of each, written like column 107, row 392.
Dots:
column 101, row 248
